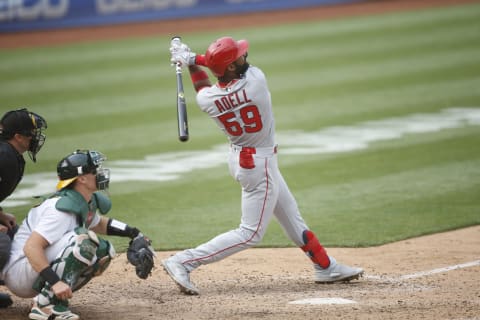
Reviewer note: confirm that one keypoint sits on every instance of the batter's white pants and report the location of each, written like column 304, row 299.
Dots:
column 264, row 194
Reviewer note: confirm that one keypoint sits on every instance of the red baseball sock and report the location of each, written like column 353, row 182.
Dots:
column 315, row 250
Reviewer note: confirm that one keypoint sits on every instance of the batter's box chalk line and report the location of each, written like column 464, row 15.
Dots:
column 337, row 301
column 323, row 301
column 424, row 273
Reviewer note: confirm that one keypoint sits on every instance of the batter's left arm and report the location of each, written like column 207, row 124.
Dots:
column 199, row 77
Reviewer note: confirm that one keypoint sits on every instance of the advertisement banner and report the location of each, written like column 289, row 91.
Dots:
column 30, row 15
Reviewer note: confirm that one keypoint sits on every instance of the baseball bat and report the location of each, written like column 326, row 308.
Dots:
column 181, row 103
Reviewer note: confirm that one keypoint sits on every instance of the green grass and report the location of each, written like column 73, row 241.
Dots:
column 119, row 97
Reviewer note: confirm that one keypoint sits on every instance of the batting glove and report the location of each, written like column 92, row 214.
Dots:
column 181, row 54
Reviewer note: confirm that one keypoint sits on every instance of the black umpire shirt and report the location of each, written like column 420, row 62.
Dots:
column 12, row 165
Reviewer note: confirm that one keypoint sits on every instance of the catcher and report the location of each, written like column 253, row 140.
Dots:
column 56, row 250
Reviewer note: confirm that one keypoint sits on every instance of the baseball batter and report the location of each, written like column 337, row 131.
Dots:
column 240, row 104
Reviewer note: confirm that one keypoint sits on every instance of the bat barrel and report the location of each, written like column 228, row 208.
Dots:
column 181, row 104
column 181, row 110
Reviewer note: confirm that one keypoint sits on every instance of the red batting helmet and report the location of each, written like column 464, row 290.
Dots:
column 222, row 52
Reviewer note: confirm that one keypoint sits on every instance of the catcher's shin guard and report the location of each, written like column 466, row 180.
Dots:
column 77, row 258
column 73, row 262
column 314, row 250
column 104, row 254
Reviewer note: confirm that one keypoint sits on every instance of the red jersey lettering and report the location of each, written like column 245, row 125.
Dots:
column 231, row 101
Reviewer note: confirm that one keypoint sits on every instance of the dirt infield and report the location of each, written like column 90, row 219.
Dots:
column 432, row 277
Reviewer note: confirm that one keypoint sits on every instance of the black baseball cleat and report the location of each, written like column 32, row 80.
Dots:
column 5, row 300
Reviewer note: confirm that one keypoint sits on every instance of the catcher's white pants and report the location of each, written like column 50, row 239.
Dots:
column 20, row 277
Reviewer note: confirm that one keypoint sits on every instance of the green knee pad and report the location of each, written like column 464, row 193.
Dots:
column 105, row 254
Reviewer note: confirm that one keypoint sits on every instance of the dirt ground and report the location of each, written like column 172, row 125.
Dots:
column 432, row 277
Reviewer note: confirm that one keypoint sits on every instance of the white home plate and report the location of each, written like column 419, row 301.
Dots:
column 322, row 301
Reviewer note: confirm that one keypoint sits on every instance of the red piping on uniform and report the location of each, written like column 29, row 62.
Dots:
column 223, row 85
column 256, row 231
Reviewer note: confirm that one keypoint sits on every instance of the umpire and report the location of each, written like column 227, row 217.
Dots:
column 20, row 131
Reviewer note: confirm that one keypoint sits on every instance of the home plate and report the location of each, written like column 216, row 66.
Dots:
column 322, row 301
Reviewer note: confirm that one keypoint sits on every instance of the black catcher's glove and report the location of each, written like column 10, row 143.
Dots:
column 140, row 254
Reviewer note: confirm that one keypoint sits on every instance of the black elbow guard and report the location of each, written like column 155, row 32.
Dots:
column 118, row 228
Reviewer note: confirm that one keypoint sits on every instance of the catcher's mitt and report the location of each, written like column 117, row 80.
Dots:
column 140, row 254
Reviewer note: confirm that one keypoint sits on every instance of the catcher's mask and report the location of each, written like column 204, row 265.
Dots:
column 82, row 162
column 26, row 123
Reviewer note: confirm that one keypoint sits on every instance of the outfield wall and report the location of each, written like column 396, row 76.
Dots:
column 30, row 15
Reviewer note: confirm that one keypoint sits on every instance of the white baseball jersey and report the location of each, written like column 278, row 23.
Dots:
column 243, row 111
column 51, row 224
